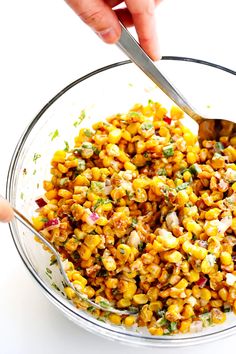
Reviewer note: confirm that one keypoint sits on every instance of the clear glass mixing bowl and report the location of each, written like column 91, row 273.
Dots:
column 112, row 89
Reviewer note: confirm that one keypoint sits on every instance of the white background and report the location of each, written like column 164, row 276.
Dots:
column 43, row 47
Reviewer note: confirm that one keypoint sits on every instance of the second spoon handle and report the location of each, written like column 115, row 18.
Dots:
column 132, row 49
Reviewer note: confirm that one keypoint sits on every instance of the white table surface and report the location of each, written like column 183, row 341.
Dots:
column 44, row 46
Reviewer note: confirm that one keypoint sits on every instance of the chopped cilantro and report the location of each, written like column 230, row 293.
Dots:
column 64, row 181
column 44, row 219
column 195, row 169
column 172, row 326
column 88, row 133
column 67, row 148
column 87, row 145
column 104, row 303
column 141, row 246
column 168, row 151
column 219, row 147
column 80, row 118
column 100, row 202
column 96, row 150
column 81, row 165
column 134, row 222
column 147, row 126
column 36, row 157
column 161, row 172
column 91, row 308
column 54, row 134
column 182, row 186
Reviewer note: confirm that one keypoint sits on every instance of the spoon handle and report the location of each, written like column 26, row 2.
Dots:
column 132, row 49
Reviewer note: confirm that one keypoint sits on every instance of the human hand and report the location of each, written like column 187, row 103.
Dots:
column 100, row 16
column 6, row 212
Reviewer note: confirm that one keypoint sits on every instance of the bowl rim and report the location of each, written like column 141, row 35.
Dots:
column 56, row 299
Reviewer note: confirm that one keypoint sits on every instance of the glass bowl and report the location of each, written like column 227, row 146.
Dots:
column 112, row 89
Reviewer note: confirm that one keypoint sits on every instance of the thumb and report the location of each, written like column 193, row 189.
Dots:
column 99, row 16
column 6, row 212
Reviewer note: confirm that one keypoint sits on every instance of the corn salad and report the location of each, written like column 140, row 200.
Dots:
column 147, row 220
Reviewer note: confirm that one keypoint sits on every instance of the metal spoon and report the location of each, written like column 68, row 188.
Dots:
column 209, row 128
column 106, row 306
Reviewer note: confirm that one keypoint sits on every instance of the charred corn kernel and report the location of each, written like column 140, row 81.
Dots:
column 191, row 158
column 139, row 160
column 182, row 198
column 130, row 291
column 217, row 316
column 129, row 321
column 122, row 303
column 84, row 252
column 185, row 326
column 193, row 276
column 226, row 258
column 59, row 156
column 70, row 293
column 109, row 263
column 223, row 294
column 115, row 136
column 145, row 314
column 123, row 252
column 156, row 331
column 140, row 299
column 173, row 313
column 71, row 244
column 111, row 283
column 216, row 303
column 92, row 241
column 205, row 294
column 173, row 256
column 212, row 214
column 187, row 312
column 115, row 319
column 152, row 294
column 129, row 166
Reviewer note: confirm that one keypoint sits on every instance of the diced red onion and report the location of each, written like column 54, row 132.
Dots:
column 202, row 282
column 41, row 202
column 52, row 224
column 92, row 218
column 167, row 120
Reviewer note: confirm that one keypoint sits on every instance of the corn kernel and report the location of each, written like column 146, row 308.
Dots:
column 226, row 258
column 140, row 299
column 109, row 263
column 129, row 321
column 115, row 319
column 70, row 293
column 115, row 136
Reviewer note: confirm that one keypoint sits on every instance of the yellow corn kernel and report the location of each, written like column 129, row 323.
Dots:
column 193, row 226
column 59, row 156
column 234, row 306
column 129, row 321
column 217, row 316
column 81, row 180
column 140, row 147
column 129, row 166
column 191, row 158
column 173, row 313
column 38, row 222
column 156, row 306
column 139, row 160
column 140, row 299
column 141, row 183
column 102, row 221
column 156, row 331
column 64, row 193
column 52, row 194
column 123, row 252
column 118, row 193
column 70, row 293
column 78, row 285
column 84, row 252
column 152, row 294
column 77, row 276
column 122, row 303
column 193, row 276
column 187, row 312
column 182, row 198
column 89, row 291
column 92, row 241
column 226, row 258
column 205, row 294
column 187, row 176
column 115, row 319
column 212, row 214
column 62, row 168
column 196, row 291
column 172, row 256
column 71, row 244
column 114, row 136
column 176, row 113
column 109, row 263
column 167, row 240
column 223, row 294
column 195, row 251
column 185, row 325
column 111, row 283
column 182, row 284
column 130, row 291
column 231, row 153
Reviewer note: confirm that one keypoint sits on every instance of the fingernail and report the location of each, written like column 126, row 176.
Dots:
column 109, row 35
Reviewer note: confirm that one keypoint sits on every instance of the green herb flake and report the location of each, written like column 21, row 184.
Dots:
column 219, row 147
column 22, row 195
column 80, row 118
column 54, row 134
column 81, row 165
column 48, row 270
column 64, row 181
column 134, row 222
column 195, row 169
column 168, row 151
column 55, row 286
column 182, row 186
column 141, row 246
column 36, row 157
column 100, row 202
column 161, row 172
column 147, row 126
column 34, row 172
column 88, row 133
column 91, row 308
column 172, row 327
column 67, row 148
column 44, row 219
column 104, row 303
